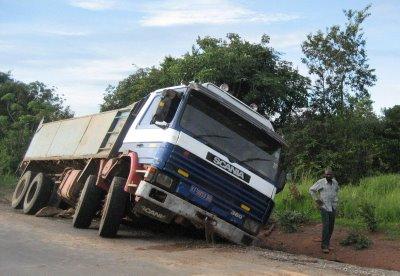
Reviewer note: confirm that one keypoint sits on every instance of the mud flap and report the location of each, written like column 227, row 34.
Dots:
column 153, row 211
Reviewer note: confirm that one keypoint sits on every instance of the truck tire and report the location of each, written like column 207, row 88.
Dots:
column 38, row 194
column 114, row 208
column 20, row 190
column 88, row 203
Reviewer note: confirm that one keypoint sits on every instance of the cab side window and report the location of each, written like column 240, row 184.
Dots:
column 152, row 112
column 145, row 122
column 161, row 111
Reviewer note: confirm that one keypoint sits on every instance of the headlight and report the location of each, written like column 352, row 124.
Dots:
column 251, row 225
column 164, row 180
column 153, row 175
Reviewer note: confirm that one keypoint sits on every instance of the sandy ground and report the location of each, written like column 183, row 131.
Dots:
column 30, row 245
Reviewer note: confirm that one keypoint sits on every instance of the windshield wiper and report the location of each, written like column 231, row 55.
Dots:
column 211, row 135
column 255, row 159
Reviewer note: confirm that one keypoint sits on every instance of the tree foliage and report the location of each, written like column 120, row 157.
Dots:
column 338, row 61
column 22, row 106
column 254, row 72
column 349, row 143
column 340, row 128
column 390, row 141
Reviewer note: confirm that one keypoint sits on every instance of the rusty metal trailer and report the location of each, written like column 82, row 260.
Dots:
column 92, row 136
column 62, row 154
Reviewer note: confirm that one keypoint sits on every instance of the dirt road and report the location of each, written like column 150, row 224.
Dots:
column 30, row 245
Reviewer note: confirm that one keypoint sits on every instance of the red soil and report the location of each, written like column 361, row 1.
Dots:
column 383, row 253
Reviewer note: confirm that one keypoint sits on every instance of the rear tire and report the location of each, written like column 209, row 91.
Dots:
column 38, row 194
column 88, row 203
column 17, row 200
column 114, row 208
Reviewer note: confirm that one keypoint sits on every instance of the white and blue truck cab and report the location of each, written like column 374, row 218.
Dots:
column 190, row 153
column 209, row 159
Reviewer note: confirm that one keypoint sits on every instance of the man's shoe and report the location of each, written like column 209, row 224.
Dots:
column 325, row 250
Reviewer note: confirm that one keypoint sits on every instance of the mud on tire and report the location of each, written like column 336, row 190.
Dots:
column 38, row 194
column 114, row 208
column 17, row 200
column 88, row 204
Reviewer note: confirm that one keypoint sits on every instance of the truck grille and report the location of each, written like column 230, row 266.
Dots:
column 228, row 193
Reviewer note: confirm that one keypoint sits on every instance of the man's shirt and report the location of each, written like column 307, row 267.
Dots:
column 326, row 192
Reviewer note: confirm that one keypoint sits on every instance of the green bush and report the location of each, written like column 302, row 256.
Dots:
column 382, row 192
column 356, row 239
column 296, row 197
column 367, row 212
column 290, row 220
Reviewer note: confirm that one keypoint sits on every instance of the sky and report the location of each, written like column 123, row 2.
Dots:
column 82, row 46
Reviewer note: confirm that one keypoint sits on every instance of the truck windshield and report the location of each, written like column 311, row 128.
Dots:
column 223, row 130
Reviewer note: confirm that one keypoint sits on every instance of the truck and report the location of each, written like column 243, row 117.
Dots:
column 188, row 154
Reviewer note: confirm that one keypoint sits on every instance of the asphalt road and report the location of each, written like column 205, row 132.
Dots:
column 48, row 246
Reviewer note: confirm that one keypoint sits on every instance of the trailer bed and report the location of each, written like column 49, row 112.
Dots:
column 92, row 136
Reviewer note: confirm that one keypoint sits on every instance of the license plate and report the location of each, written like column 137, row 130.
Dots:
column 201, row 194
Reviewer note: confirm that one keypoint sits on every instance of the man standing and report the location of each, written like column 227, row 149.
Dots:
column 325, row 193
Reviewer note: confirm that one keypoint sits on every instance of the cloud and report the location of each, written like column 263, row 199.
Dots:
column 288, row 41
column 216, row 12
column 81, row 81
column 94, row 4
column 100, row 70
column 89, row 71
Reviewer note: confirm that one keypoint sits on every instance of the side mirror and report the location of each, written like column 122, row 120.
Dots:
column 163, row 109
column 281, row 182
column 162, row 124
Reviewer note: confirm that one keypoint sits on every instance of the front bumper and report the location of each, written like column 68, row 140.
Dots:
column 193, row 213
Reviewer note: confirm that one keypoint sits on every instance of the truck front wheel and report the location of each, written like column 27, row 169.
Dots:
column 88, row 203
column 20, row 190
column 114, row 208
column 38, row 194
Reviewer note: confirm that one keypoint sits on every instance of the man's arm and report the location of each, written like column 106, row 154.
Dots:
column 314, row 191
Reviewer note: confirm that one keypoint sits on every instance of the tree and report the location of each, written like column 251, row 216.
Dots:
column 22, row 106
column 390, row 142
column 339, row 129
column 338, row 61
column 254, row 72
column 349, row 144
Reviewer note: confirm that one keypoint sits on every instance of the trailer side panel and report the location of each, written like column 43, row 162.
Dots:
column 92, row 136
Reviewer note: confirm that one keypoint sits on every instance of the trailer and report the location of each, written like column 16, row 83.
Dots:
column 62, row 153
column 185, row 154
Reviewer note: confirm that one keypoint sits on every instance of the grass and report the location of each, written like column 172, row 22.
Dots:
column 382, row 192
column 357, row 240
column 7, row 184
